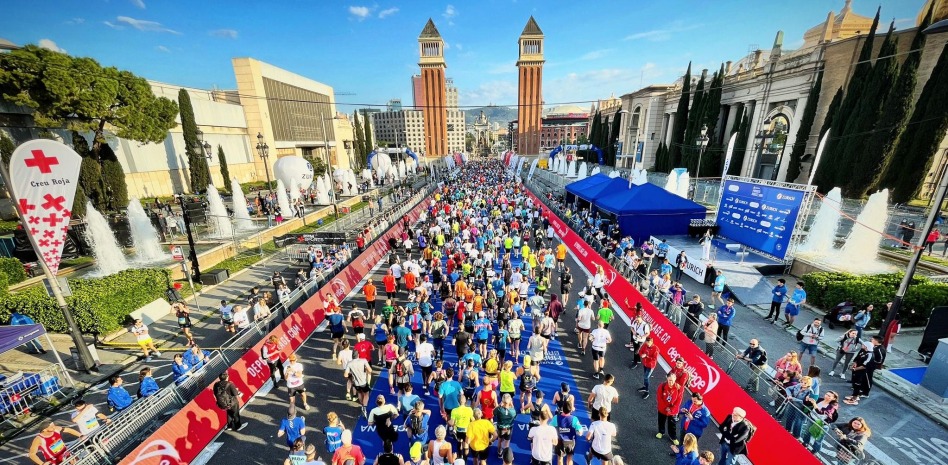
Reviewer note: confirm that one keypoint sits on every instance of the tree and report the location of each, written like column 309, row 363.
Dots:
column 661, row 159
column 113, row 178
column 319, row 166
column 81, row 94
column 740, row 145
column 711, row 163
column 359, row 145
column 613, row 140
column 90, row 177
column 803, row 132
column 827, row 126
column 367, row 129
column 7, row 146
column 827, row 174
column 898, row 107
column 923, row 133
column 681, row 121
column 197, row 164
column 855, row 176
column 222, row 160
column 689, row 152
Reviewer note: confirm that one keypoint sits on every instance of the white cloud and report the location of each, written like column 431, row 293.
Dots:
column 500, row 68
column 449, row 14
column 75, row 21
column 459, row 47
column 496, row 92
column 591, row 85
column 663, row 34
column 596, row 54
column 112, row 25
column 50, row 45
column 360, row 12
column 388, row 12
column 162, row 48
column 224, row 33
column 138, row 3
column 143, row 25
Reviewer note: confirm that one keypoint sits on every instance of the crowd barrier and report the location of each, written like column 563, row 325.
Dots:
column 721, row 392
column 181, row 437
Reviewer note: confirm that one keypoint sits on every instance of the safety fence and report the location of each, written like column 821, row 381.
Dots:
column 113, row 440
column 806, row 425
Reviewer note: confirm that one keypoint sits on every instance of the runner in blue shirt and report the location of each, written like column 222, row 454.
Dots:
column 449, row 394
column 293, row 427
column 567, row 426
column 796, row 301
column 482, row 328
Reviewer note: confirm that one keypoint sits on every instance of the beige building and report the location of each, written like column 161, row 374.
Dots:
column 407, row 128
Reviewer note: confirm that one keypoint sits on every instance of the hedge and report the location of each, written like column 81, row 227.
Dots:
column 13, row 268
column 99, row 305
column 827, row 289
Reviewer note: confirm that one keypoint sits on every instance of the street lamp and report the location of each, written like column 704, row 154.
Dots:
column 203, row 145
column 933, row 213
column 332, row 190
column 264, row 151
column 702, row 144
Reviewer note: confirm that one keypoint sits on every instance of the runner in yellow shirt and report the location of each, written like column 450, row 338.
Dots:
column 460, row 419
column 480, row 434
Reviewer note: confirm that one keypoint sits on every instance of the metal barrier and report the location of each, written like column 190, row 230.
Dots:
column 825, row 446
column 191, row 387
column 134, row 423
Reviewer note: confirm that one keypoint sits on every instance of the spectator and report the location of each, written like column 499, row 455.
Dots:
column 717, row 289
column 852, row 438
column 180, row 369
column 693, row 317
column 756, row 358
column 648, row 353
column 725, row 319
column 146, row 383
column 797, row 299
column 823, row 412
column 861, row 319
column 779, row 296
column 786, row 366
column 736, row 432
column 796, row 395
column 695, row 417
column 687, row 453
column 846, row 348
column 228, row 399
column 710, row 333
column 811, row 334
column 118, row 397
column 869, row 359
column 669, row 395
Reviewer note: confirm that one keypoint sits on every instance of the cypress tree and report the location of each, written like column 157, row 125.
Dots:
column 740, row 145
column 827, row 125
column 197, row 164
column 660, row 165
column 614, row 139
column 358, row 145
column 689, row 153
column 6, row 148
column 898, row 106
column 90, row 177
column 803, row 132
column 225, row 170
column 681, row 120
column 113, row 175
column 367, row 131
column 594, row 131
column 854, row 158
column 711, row 163
column 925, row 130
column 828, row 173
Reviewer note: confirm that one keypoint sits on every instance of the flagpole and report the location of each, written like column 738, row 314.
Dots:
column 86, row 363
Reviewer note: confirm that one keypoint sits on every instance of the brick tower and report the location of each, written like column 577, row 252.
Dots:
column 431, row 62
column 530, row 96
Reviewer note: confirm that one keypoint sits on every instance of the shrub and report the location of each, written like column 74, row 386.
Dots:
column 13, row 268
column 99, row 305
column 827, row 289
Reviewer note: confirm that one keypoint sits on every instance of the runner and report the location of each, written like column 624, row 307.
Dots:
column 599, row 339
column 584, row 317
column 294, row 381
column 144, row 339
column 359, row 372
column 50, row 443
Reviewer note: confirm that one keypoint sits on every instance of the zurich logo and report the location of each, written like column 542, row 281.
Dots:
column 309, row 166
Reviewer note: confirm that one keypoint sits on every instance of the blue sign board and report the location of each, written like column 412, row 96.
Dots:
column 639, row 148
column 760, row 217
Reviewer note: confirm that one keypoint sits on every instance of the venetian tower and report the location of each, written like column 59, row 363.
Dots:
column 431, row 62
column 530, row 88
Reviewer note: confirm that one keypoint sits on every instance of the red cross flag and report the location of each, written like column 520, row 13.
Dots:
column 44, row 175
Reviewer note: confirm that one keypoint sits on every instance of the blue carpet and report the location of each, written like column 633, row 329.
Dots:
column 913, row 375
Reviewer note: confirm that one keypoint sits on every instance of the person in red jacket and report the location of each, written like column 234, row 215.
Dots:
column 669, row 396
column 684, row 377
column 649, row 355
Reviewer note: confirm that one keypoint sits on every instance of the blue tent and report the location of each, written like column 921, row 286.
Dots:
column 594, row 187
column 648, row 210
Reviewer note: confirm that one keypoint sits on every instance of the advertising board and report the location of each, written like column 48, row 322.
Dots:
column 759, row 216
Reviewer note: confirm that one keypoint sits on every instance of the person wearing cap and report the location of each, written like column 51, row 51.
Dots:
column 293, row 427
column 415, row 455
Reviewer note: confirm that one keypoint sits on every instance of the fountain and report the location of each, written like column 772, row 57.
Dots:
column 241, row 214
column 594, row 171
column 282, row 199
column 322, row 192
column 671, row 183
column 571, row 169
column 294, row 191
column 144, row 236
column 821, row 238
column 861, row 248
column 684, row 184
column 218, row 221
column 109, row 257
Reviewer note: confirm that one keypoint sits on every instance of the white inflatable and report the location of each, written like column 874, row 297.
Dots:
column 294, row 171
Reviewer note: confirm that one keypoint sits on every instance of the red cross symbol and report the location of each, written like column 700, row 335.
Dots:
column 65, row 228
column 44, row 242
column 56, row 243
column 53, row 202
column 25, row 206
column 33, row 220
column 33, row 231
column 66, row 213
column 41, row 161
column 52, row 219
column 48, row 233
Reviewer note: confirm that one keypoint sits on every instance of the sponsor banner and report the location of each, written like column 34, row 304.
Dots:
column 191, row 429
column 310, row 239
column 697, row 268
column 721, row 393
column 759, row 216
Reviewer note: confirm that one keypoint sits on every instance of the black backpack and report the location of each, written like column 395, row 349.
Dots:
column 415, row 423
column 224, row 399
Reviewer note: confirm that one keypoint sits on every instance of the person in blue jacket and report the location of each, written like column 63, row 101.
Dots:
column 687, row 453
column 779, row 296
column 146, row 383
column 118, row 397
column 725, row 318
column 180, row 369
column 293, row 427
column 695, row 417
column 196, row 357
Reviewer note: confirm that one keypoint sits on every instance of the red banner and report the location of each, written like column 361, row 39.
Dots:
column 188, row 432
column 721, row 393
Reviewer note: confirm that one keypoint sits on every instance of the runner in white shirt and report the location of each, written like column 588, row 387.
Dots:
column 543, row 439
column 396, row 271
column 87, row 417
column 599, row 339
column 294, row 381
column 603, row 395
column 424, row 352
column 600, row 436
column 584, row 319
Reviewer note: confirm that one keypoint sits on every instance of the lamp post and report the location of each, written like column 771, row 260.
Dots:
column 264, row 151
column 893, row 313
column 702, row 144
column 332, row 191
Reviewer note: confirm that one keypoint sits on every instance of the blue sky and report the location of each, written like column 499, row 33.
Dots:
column 593, row 48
